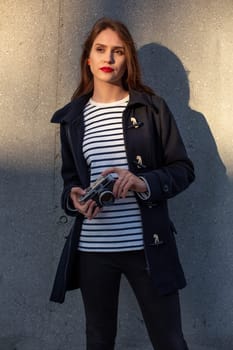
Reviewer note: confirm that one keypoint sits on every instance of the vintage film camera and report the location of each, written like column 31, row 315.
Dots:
column 100, row 191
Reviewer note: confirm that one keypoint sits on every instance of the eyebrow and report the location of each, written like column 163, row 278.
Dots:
column 114, row 47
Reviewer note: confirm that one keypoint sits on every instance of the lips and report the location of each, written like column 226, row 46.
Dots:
column 106, row 69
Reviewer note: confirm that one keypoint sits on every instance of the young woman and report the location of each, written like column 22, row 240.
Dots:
column 117, row 127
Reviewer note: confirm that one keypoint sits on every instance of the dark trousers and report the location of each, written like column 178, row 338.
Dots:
column 100, row 275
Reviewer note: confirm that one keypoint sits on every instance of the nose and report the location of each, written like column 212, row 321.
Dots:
column 109, row 57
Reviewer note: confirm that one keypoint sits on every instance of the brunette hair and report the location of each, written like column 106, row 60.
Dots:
column 132, row 77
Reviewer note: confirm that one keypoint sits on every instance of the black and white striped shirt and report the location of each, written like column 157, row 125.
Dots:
column 117, row 227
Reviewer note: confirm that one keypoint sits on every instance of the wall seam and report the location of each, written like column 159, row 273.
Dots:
column 56, row 129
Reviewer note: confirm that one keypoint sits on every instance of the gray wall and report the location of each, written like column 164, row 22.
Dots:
column 185, row 48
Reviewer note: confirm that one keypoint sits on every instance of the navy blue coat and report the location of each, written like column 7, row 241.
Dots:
column 155, row 151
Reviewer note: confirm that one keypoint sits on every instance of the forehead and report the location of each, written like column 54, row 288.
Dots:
column 108, row 37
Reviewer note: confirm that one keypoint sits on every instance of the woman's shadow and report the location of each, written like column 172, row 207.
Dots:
column 197, row 211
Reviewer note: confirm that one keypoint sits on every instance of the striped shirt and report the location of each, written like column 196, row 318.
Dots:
column 117, row 227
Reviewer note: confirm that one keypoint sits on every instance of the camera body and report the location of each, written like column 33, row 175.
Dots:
column 100, row 191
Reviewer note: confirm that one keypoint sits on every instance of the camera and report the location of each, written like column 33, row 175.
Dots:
column 100, row 191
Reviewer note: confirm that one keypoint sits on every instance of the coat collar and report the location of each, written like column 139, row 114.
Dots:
column 74, row 109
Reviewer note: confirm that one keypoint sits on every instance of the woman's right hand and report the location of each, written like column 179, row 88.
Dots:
column 89, row 208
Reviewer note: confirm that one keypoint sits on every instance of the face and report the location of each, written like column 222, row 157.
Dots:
column 107, row 60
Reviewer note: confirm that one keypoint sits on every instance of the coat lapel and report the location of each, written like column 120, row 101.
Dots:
column 75, row 133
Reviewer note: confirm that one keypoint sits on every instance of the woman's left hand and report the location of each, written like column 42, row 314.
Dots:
column 126, row 181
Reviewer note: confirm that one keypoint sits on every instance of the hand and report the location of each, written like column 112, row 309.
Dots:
column 126, row 181
column 89, row 208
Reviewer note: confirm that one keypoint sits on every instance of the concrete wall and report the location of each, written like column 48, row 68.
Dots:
column 185, row 48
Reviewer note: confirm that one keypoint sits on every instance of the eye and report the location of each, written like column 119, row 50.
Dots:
column 99, row 49
column 119, row 52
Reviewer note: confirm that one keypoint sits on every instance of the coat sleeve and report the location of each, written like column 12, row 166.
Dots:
column 68, row 173
column 176, row 171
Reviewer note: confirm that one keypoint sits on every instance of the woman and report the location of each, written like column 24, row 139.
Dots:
column 117, row 127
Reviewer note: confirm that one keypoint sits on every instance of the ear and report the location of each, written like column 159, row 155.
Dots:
column 88, row 61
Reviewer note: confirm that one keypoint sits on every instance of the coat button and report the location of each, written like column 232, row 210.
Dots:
column 165, row 188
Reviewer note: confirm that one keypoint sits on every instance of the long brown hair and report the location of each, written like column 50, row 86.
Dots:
column 132, row 77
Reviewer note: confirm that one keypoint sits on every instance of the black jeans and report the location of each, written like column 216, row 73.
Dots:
column 100, row 275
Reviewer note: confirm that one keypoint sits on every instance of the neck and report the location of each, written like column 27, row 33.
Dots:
column 106, row 92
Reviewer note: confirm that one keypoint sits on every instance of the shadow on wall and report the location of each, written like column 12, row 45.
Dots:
column 198, row 212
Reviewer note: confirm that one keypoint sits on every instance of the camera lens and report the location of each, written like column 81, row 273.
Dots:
column 106, row 198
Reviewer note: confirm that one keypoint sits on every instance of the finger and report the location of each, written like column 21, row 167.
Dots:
column 82, row 207
column 95, row 212
column 114, row 170
column 119, row 186
column 75, row 194
column 126, row 184
column 75, row 201
column 124, row 189
column 77, row 191
column 92, row 210
column 108, row 171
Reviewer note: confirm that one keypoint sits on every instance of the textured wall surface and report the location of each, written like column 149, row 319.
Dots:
column 185, row 49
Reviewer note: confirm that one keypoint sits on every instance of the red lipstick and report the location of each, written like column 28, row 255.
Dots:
column 106, row 69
